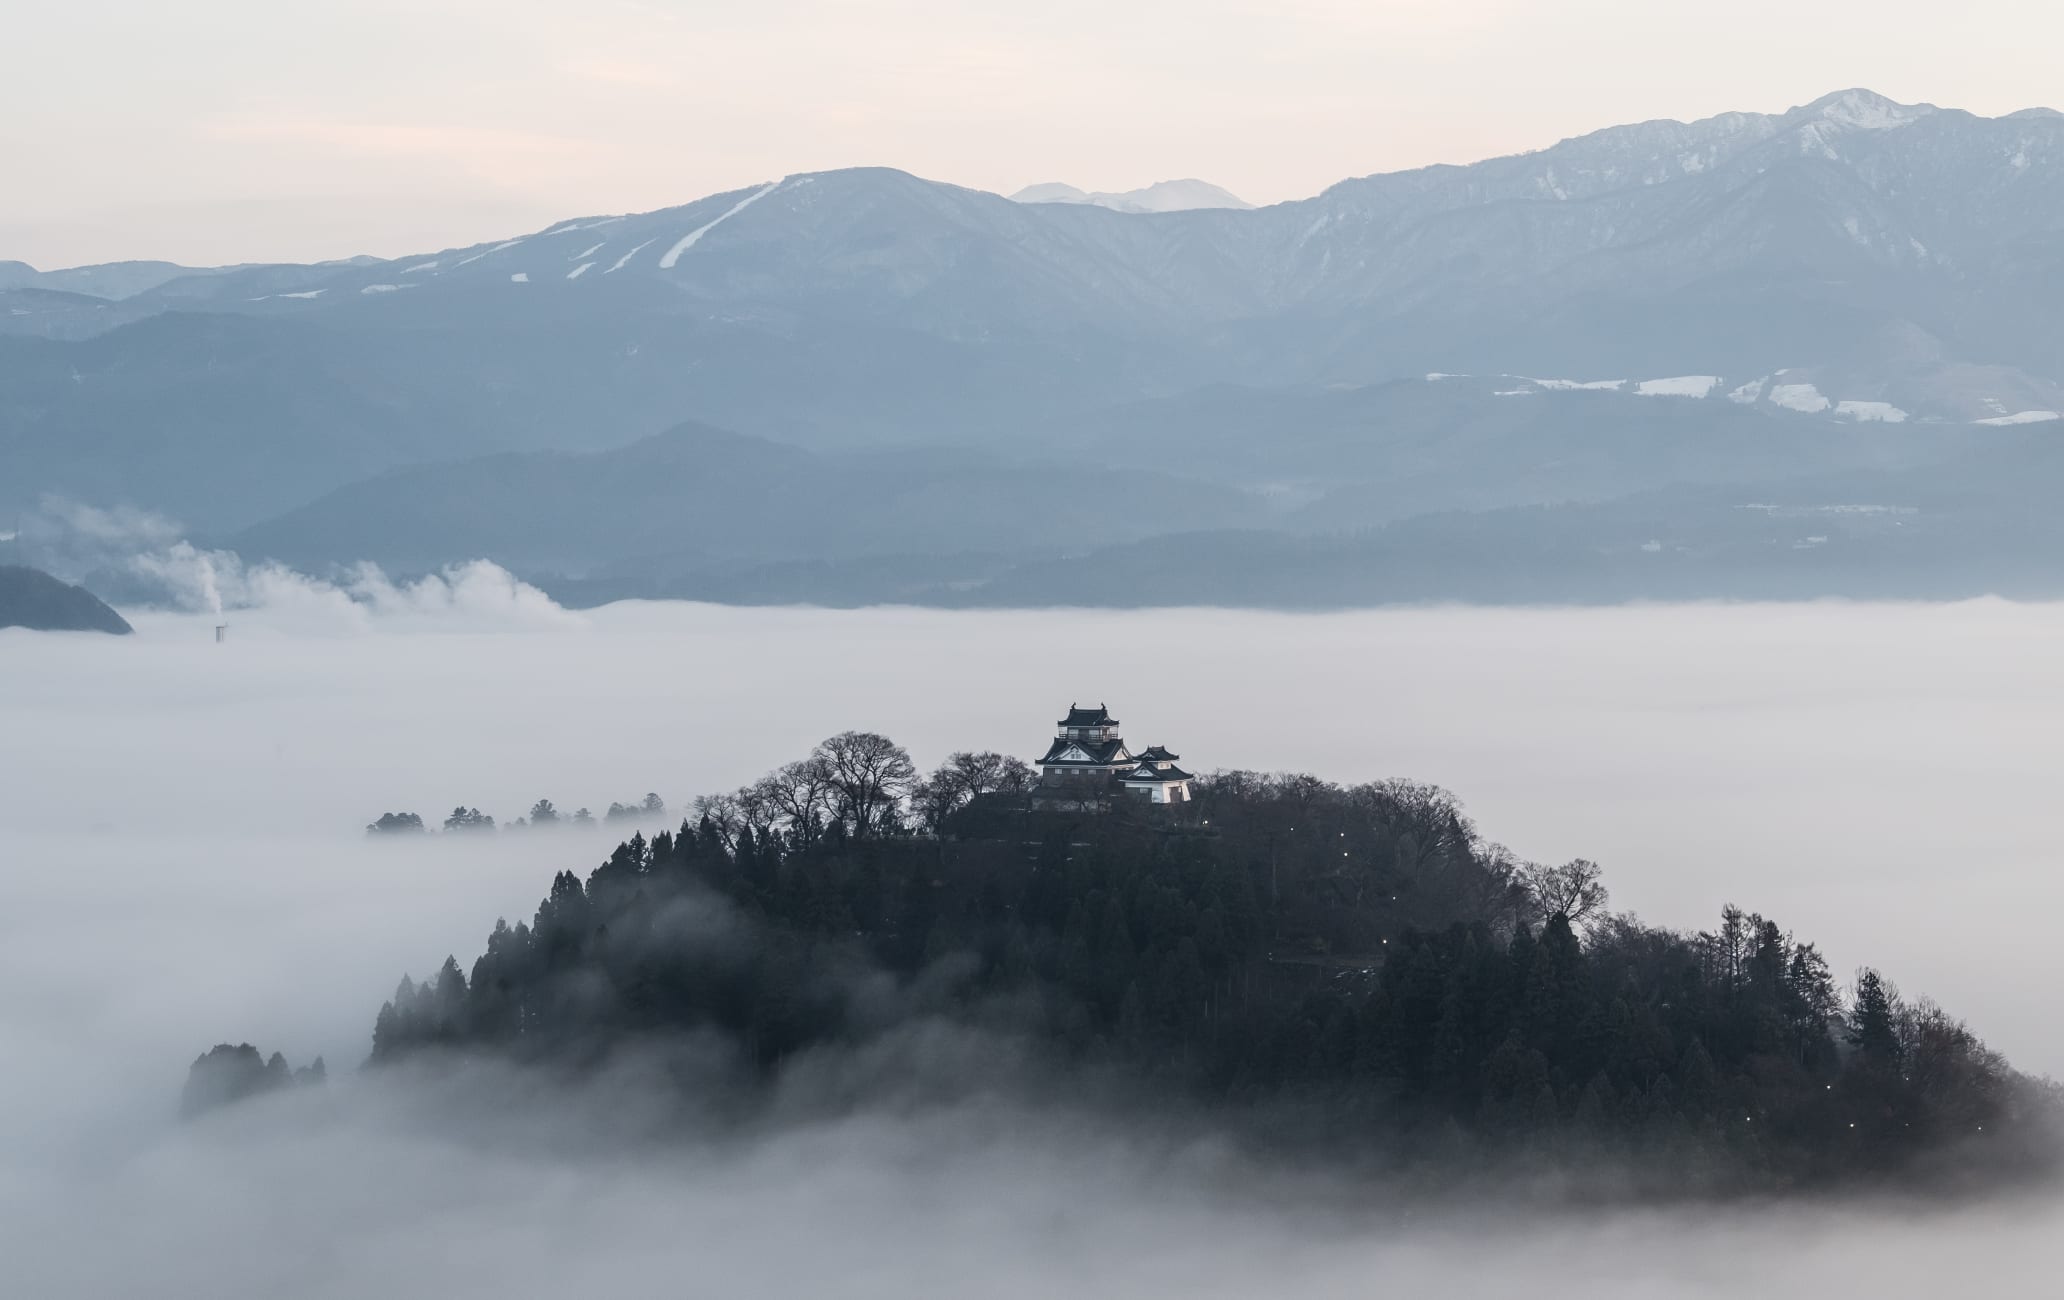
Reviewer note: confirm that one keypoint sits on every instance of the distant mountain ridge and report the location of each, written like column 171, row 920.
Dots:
column 112, row 281
column 1800, row 283
column 1162, row 196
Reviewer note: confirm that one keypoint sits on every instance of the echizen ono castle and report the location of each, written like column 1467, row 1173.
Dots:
column 1088, row 762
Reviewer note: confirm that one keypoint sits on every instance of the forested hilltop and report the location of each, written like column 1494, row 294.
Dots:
column 1352, row 966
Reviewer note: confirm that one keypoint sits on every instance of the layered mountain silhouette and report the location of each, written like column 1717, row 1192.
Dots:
column 1851, row 284
column 696, row 497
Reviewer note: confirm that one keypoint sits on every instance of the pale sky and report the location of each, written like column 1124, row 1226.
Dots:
column 242, row 130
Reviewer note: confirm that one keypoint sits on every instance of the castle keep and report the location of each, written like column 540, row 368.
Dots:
column 1088, row 761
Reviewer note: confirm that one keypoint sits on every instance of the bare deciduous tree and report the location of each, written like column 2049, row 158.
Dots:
column 1431, row 828
column 721, row 810
column 756, row 808
column 801, row 793
column 963, row 778
column 870, row 775
column 1574, row 891
column 1302, row 790
column 1237, row 783
column 1500, row 891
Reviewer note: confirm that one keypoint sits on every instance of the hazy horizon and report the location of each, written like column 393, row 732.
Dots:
column 386, row 129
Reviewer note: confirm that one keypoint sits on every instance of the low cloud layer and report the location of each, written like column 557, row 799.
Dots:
column 477, row 594
column 141, row 557
column 182, row 862
column 483, row 1184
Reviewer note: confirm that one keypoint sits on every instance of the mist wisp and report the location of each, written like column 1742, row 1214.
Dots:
column 142, row 559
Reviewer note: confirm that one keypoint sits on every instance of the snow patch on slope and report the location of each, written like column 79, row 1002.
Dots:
column 1678, row 386
column 694, row 237
column 1866, row 111
column 618, row 264
column 2024, row 417
column 1799, row 397
column 578, row 223
column 498, row 248
column 578, row 271
column 1871, row 412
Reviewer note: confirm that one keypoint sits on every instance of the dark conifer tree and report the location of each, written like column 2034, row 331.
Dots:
column 1873, row 1028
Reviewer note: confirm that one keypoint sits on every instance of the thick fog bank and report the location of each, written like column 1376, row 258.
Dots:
column 483, row 1185
column 1875, row 776
column 182, row 861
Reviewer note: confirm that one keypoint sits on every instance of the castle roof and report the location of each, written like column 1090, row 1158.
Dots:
column 1152, row 775
column 1101, row 752
column 1081, row 717
column 1157, row 754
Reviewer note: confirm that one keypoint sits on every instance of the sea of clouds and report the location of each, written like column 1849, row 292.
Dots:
column 182, row 861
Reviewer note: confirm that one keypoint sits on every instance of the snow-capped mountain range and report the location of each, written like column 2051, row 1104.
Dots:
column 1852, row 261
